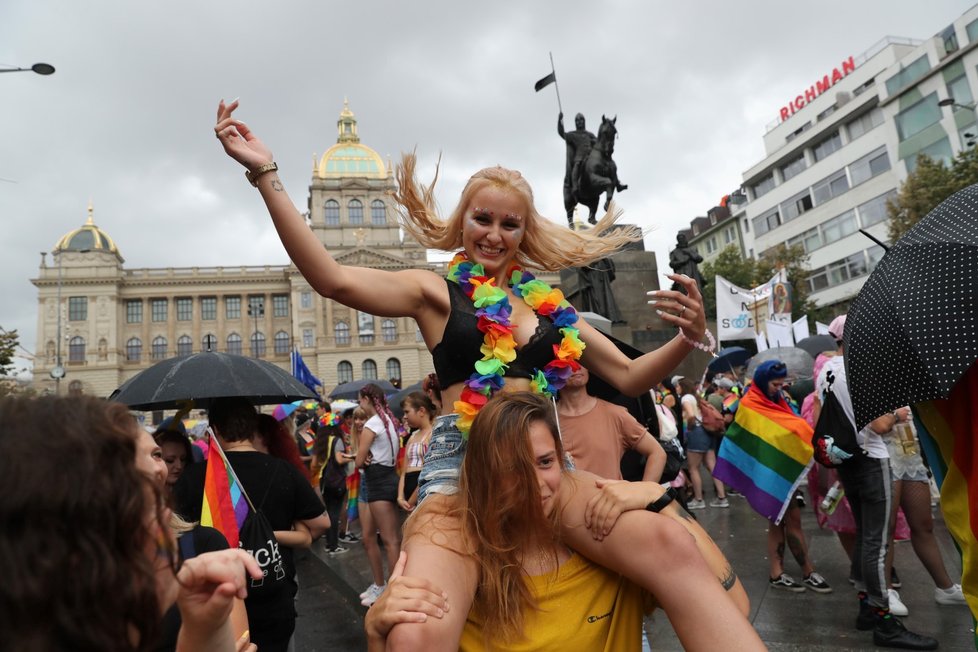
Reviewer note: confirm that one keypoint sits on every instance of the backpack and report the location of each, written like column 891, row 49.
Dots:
column 712, row 421
column 333, row 479
column 258, row 539
column 834, row 432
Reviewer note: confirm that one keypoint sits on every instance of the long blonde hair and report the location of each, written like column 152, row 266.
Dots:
column 545, row 245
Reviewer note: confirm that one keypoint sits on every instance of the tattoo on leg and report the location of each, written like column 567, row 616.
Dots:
column 781, row 553
column 729, row 578
column 797, row 549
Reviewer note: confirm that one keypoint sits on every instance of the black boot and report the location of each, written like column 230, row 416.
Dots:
column 890, row 632
column 866, row 620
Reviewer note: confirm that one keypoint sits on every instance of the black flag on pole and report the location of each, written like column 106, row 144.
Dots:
column 546, row 81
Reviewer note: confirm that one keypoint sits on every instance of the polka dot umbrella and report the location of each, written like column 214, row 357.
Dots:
column 912, row 331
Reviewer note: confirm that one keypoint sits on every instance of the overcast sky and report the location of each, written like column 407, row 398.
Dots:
column 126, row 119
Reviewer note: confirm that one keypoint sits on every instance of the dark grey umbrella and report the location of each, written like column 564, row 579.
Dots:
column 816, row 344
column 912, row 331
column 352, row 389
column 394, row 400
column 729, row 358
column 799, row 363
column 204, row 376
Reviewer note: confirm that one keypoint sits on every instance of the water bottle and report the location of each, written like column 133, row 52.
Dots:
column 832, row 497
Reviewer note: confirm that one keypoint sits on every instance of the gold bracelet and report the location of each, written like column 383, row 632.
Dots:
column 252, row 175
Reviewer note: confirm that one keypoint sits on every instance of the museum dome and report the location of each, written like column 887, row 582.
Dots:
column 87, row 237
column 349, row 157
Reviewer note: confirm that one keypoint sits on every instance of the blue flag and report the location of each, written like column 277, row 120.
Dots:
column 302, row 373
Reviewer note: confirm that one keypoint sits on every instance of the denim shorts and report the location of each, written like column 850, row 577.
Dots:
column 698, row 440
column 443, row 459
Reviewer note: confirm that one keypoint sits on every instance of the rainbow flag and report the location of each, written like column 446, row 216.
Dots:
column 766, row 452
column 225, row 506
column 352, row 493
column 949, row 437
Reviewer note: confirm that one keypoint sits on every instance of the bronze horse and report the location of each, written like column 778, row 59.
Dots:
column 599, row 174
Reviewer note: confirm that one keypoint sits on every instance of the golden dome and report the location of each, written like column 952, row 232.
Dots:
column 349, row 157
column 87, row 237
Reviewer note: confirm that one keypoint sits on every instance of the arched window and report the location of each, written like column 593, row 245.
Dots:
column 185, row 345
column 388, row 329
column 365, row 324
column 159, row 348
column 332, row 213
column 393, row 369
column 257, row 344
column 344, row 372
column 355, row 209
column 209, row 343
column 75, row 388
column 369, row 368
column 281, row 343
column 378, row 214
column 341, row 332
column 134, row 349
column 234, row 343
column 76, row 349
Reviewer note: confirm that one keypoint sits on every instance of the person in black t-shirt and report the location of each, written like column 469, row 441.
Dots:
column 283, row 496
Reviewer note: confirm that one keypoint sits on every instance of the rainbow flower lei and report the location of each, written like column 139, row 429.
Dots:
column 499, row 348
column 329, row 419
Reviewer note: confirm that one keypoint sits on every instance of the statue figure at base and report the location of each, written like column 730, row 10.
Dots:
column 684, row 260
column 594, row 283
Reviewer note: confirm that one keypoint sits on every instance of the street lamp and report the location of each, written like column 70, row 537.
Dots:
column 58, row 372
column 39, row 68
column 256, row 309
column 949, row 101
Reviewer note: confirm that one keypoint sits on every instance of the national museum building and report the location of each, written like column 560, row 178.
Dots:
column 116, row 321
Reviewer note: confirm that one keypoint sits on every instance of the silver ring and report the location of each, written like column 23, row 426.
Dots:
column 681, row 312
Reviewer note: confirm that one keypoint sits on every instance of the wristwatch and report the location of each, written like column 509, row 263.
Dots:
column 662, row 501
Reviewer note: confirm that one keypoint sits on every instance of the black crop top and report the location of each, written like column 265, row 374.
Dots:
column 455, row 356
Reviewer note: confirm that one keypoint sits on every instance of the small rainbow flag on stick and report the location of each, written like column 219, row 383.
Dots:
column 225, row 506
column 766, row 452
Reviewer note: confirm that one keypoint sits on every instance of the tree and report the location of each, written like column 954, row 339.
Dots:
column 8, row 346
column 928, row 185
column 751, row 272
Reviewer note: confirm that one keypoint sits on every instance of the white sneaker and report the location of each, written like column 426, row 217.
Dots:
column 953, row 595
column 372, row 596
column 370, row 589
column 695, row 504
column 897, row 608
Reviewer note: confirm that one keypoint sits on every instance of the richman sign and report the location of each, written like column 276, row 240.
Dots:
column 819, row 87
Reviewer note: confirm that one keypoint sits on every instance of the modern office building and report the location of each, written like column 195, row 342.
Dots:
column 840, row 148
column 115, row 321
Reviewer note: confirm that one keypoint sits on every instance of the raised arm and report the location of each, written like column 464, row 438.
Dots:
column 387, row 294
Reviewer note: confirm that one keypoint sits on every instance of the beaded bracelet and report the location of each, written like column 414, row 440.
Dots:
column 711, row 348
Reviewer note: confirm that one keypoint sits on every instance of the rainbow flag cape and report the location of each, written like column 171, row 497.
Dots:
column 949, row 437
column 766, row 452
column 225, row 506
column 352, row 493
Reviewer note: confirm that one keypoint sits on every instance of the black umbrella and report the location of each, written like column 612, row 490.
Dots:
column 394, row 400
column 204, row 376
column 729, row 359
column 912, row 331
column 817, row 344
column 351, row 390
column 799, row 363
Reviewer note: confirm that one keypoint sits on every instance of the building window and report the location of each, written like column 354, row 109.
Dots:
column 831, row 144
column 157, row 309
column 77, row 308
column 332, row 212
column 134, row 349
column 809, row 240
column 960, row 90
column 711, row 245
column 234, row 343
column 939, row 151
column 369, row 369
column 256, row 306
column 388, row 330
column 875, row 163
column 185, row 345
column 763, row 186
column 767, row 222
column 209, row 343
column 829, row 187
column 305, row 300
column 308, row 341
column 76, row 349
column 159, row 348
column 795, row 206
column 280, row 305
column 281, row 343
column 949, row 40
column 208, row 308
column 858, row 264
column 792, row 168
column 344, row 372
column 839, row 227
column 365, row 326
column 393, row 368
column 908, row 75
column 729, row 234
column 185, row 309
column 257, row 344
column 341, row 332
column 972, row 31
column 919, row 116
column 378, row 213
column 418, row 337
column 232, row 307
column 874, row 211
column 134, row 311
column 355, row 210
column 864, row 124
